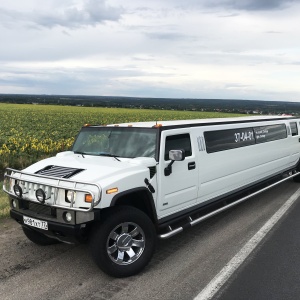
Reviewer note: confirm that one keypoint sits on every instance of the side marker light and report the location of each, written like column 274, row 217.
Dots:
column 112, row 191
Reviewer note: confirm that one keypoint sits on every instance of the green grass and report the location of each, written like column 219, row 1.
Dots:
column 32, row 132
column 4, row 206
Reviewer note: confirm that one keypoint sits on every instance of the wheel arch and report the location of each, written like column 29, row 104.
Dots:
column 140, row 198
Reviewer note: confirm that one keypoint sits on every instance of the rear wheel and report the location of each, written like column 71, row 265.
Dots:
column 296, row 178
column 123, row 244
column 38, row 238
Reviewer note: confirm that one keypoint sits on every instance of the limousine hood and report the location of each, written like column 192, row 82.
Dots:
column 90, row 168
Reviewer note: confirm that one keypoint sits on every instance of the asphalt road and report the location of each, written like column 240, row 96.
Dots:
column 181, row 267
column 273, row 269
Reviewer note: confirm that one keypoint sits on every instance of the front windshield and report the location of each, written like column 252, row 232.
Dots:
column 116, row 141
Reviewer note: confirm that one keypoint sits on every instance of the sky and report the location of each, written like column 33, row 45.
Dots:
column 212, row 49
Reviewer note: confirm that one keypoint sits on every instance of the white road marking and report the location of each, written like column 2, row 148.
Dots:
column 217, row 282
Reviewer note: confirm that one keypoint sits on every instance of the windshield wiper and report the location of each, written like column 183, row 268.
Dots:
column 108, row 154
column 78, row 152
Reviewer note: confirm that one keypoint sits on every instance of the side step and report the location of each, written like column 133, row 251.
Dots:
column 192, row 222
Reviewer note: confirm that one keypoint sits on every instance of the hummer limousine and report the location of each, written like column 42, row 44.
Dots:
column 123, row 185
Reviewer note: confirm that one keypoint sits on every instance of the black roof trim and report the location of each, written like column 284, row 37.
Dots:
column 223, row 123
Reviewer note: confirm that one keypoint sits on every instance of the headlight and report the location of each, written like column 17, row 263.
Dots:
column 14, row 203
column 70, row 196
column 18, row 190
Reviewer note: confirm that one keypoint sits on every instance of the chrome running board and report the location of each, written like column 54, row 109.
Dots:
column 192, row 222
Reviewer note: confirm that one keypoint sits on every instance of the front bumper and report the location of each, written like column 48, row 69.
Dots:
column 64, row 233
column 73, row 231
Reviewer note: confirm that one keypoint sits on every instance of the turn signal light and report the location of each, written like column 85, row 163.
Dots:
column 88, row 198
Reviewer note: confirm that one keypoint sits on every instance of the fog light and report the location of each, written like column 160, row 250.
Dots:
column 68, row 217
column 17, row 190
column 40, row 195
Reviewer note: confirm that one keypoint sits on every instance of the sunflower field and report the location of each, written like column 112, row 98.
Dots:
column 32, row 132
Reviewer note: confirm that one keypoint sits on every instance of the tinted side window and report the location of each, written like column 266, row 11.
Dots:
column 178, row 142
column 221, row 140
column 294, row 128
column 270, row 133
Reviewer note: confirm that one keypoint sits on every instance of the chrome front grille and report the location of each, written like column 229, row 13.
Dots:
column 54, row 188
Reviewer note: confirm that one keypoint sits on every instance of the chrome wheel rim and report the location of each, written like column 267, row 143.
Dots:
column 125, row 243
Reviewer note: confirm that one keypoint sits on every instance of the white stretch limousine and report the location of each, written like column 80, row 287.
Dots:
column 123, row 185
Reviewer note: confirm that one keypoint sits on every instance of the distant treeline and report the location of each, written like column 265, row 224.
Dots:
column 235, row 106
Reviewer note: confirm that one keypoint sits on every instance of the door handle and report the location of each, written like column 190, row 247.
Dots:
column 192, row 165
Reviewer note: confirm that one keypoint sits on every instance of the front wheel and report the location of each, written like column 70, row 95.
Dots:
column 123, row 244
column 296, row 178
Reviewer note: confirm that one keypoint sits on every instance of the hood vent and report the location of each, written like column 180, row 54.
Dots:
column 152, row 171
column 60, row 172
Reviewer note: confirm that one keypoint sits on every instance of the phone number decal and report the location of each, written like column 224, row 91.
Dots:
column 243, row 136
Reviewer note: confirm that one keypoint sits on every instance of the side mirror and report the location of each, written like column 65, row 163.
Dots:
column 174, row 155
column 177, row 155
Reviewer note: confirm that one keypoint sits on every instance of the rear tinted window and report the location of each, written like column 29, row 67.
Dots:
column 294, row 128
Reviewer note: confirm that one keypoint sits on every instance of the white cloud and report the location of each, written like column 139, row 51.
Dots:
column 73, row 14
column 215, row 49
column 251, row 5
column 90, row 13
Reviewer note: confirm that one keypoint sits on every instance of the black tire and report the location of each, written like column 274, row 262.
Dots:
column 38, row 238
column 296, row 178
column 123, row 242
